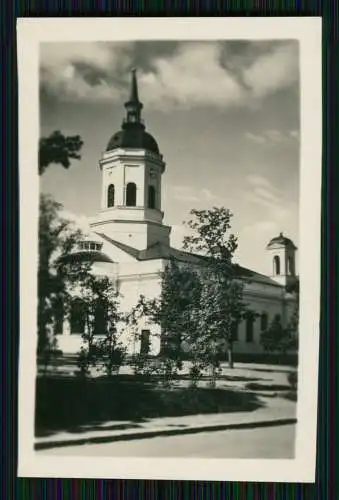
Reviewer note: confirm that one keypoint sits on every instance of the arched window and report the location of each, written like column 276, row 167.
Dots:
column 58, row 316
column 100, row 322
column 277, row 318
column 145, row 342
column 110, row 195
column 131, row 194
column 290, row 266
column 235, row 331
column 249, row 328
column 78, row 316
column 276, row 264
column 264, row 321
column 151, row 197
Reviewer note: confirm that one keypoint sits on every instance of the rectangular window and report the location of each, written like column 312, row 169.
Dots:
column 145, row 341
column 249, row 329
column 264, row 322
column 235, row 332
column 78, row 317
column 59, row 318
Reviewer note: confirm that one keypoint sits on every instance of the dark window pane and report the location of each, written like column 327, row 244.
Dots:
column 77, row 316
column 145, row 342
column 131, row 194
column 264, row 321
column 235, row 331
column 151, row 196
column 277, row 318
column 59, row 317
column 276, row 265
column 110, row 195
column 100, row 322
column 249, row 329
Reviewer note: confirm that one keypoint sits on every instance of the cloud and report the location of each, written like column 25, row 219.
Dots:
column 184, row 193
column 78, row 221
column 177, row 235
column 294, row 134
column 190, row 74
column 84, row 71
column 259, row 139
column 272, row 137
column 274, row 70
column 264, row 194
column 189, row 194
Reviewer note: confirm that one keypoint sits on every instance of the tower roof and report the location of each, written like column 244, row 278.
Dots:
column 132, row 133
column 133, row 96
column 281, row 240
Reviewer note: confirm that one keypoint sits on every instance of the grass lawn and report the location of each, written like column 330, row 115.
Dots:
column 68, row 403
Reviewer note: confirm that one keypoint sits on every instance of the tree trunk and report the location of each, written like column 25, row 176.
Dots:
column 230, row 354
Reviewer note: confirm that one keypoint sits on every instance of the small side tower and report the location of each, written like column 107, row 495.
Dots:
column 282, row 253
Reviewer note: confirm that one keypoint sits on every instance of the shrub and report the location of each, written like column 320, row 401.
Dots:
column 292, row 378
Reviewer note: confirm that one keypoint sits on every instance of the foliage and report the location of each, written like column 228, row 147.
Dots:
column 281, row 339
column 101, row 347
column 59, row 149
column 140, row 361
column 221, row 306
column 276, row 338
column 180, row 296
column 210, row 234
column 292, row 378
column 56, row 235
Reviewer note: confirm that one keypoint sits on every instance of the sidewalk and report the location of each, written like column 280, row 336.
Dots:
column 277, row 412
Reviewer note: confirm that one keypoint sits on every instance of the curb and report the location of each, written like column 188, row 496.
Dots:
column 163, row 432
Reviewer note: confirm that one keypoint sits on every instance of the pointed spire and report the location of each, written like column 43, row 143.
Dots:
column 133, row 97
column 133, row 105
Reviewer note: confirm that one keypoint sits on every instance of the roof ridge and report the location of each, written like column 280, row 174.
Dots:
column 122, row 246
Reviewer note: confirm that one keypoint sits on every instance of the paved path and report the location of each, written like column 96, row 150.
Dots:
column 267, row 443
column 276, row 411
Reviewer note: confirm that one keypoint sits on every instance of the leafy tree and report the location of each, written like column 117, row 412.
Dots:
column 180, row 295
column 59, row 149
column 56, row 236
column 278, row 338
column 221, row 306
column 140, row 361
column 101, row 344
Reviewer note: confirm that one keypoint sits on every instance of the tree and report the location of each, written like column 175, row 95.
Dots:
column 180, row 294
column 140, row 361
column 56, row 236
column 99, row 309
column 221, row 305
column 281, row 339
column 59, row 149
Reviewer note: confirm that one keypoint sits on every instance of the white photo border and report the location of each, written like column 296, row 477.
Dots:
column 30, row 33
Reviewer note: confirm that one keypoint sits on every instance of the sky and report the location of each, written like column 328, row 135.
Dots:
column 225, row 116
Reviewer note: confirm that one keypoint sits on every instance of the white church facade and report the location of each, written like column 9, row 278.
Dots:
column 130, row 243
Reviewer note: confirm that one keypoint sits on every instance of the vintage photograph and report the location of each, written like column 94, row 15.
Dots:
column 168, row 228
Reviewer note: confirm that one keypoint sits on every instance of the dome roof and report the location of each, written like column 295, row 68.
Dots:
column 281, row 240
column 133, row 137
column 132, row 133
column 91, row 256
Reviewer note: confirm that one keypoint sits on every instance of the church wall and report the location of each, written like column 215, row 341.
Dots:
column 264, row 304
column 115, row 253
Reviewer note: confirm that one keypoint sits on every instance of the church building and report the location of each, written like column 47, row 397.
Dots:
column 130, row 244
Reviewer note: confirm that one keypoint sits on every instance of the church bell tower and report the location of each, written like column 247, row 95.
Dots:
column 282, row 252
column 132, row 168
